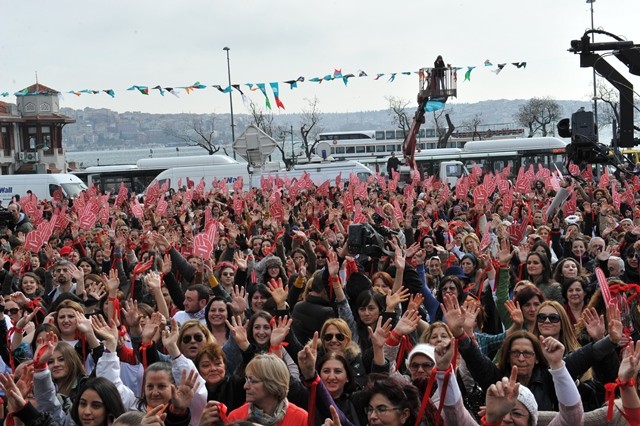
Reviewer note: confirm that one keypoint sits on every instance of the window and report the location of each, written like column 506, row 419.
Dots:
column 351, row 150
column 391, row 134
column 371, row 148
column 399, row 134
column 340, row 150
column 391, row 148
column 380, row 148
column 380, row 135
column 360, row 149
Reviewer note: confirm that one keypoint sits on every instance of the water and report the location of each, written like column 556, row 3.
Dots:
column 129, row 156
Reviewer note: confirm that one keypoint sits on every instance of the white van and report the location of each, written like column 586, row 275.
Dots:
column 319, row 173
column 231, row 172
column 42, row 185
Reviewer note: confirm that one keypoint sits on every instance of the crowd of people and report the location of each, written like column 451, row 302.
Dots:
column 332, row 305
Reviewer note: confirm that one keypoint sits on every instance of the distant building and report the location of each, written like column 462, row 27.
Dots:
column 31, row 132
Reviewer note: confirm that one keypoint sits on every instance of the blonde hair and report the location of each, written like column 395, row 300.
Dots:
column 273, row 372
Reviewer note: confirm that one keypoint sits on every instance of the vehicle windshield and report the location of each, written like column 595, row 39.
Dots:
column 456, row 170
column 73, row 189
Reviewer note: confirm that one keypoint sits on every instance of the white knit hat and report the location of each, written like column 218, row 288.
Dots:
column 528, row 400
column 423, row 349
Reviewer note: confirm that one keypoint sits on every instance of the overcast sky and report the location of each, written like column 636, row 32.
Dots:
column 114, row 44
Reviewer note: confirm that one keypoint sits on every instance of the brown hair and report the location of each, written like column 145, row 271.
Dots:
column 504, row 363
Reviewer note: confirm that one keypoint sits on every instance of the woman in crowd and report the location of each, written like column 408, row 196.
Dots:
column 222, row 387
column 538, row 271
column 574, row 291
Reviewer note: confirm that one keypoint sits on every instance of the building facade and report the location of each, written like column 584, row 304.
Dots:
column 31, row 132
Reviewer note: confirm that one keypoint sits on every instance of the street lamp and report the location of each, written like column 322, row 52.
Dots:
column 595, row 93
column 233, row 131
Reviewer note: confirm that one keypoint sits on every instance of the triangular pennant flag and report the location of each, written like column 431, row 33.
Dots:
column 519, row 64
column 159, row 89
column 500, row 67
column 337, row 73
column 487, row 63
column 433, row 106
column 263, row 89
column 361, row 73
column 378, row 76
column 345, row 78
column 237, row 87
column 142, row 89
column 276, row 94
column 110, row 92
column 467, row 75
column 292, row 84
column 393, row 77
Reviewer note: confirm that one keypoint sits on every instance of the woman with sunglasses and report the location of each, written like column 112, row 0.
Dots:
column 192, row 337
column 335, row 338
column 523, row 350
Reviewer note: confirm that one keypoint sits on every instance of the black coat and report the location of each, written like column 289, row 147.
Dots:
column 309, row 316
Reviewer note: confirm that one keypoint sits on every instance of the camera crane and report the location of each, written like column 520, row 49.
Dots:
column 436, row 85
column 584, row 147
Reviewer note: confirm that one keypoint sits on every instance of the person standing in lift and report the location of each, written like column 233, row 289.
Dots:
column 438, row 74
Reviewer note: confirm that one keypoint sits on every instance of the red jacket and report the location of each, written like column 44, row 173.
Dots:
column 295, row 416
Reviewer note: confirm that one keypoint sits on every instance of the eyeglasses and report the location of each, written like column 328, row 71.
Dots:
column 329, row 337
column 12, row 311
column 380, row 410
column 228, row 274
column 553, row 318
column 449, row 289
column 525, row 354
column 415, row 366
column 318, row 256
column 186, row 339
column 252, row 380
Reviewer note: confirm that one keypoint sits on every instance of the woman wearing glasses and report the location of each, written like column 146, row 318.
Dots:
column 266, row 385
column 192, row 337
column 522, row 349
column 336, row 338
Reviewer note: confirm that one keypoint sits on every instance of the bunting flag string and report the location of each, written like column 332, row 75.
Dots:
column 336, row 74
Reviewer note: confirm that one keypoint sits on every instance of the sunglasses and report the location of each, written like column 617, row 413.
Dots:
column 228, row 274
column 12, row 311
column 329, row 337
column 186, row 339
column 553, row 318
column 415, row 366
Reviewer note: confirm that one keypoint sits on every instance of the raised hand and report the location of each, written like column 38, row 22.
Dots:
column 278, row 293
column 307, row 358
column 379, row 337
column 238, row 332
column 333, row 266
column 112, row 282
column 153, row 281
column 594, row 323
column 108, row 331
column 50, row 342
column 182, row 393
column 614, row 323
column 394, row 299
column 210, row 414
column 155, row 416
column 502, row 397
column 630, row 362
column 471, row 311
column 15, row 401
column 280, row 331
column 505, row 254
column 240, row 260
column 19, row 298
column 335, row 418
column 553, row 351
column 170, row 339
column 131, row 314
column 444, row 355
column 84, row 324
column 453, row 314
column 515, row 312
column 238, row 302
column 408, row 323
column 415, row 301
column 26, row 318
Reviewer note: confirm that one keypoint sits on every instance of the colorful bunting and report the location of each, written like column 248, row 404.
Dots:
column 467, row 75
column 276, row 94
column 263, row 89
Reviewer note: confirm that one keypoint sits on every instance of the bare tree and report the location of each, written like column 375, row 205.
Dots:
column 473, row 125
column 398, row 113
column 309, row 126
column 280, row 134
column 198, row 132
column 539, row 115
column 443, row 133
column 610, row 96
column 262, row 119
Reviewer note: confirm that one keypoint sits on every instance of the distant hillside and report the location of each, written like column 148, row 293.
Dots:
column 106, row 129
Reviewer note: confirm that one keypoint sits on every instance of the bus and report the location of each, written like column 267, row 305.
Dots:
column 136, row 177
column 367, row 145
column 493, row 156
